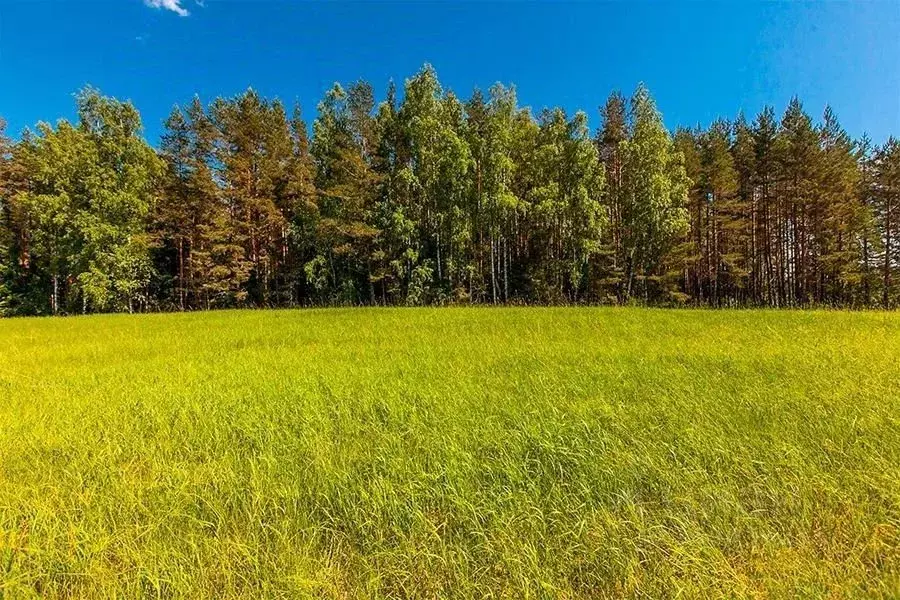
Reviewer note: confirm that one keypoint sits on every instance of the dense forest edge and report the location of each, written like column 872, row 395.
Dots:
column 433, row 199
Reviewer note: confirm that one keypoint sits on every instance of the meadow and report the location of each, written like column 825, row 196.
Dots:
column 452, row 452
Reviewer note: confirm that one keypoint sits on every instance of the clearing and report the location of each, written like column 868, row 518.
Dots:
column 453, row 452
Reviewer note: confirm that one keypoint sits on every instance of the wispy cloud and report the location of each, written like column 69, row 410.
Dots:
column 173, row 5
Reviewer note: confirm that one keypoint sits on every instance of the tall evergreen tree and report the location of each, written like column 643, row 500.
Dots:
column 343, row 141
column 743, row 151
column 613, row 132
column 765, row 130
column 886, row 207
column 254, row 150
column 300, row 209
column 798, row 155
column 201, row 258
column 690, row 253
column 844, row 218
column 725, row 259
column 870, row 235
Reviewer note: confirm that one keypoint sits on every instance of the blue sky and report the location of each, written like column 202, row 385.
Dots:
column 700, row 60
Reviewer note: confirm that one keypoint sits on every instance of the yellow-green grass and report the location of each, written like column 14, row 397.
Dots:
column 464, row 453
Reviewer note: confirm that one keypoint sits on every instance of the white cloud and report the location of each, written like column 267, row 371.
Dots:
column 173, row 5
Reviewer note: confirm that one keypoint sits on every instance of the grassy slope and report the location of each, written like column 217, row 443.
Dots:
column 452, row 452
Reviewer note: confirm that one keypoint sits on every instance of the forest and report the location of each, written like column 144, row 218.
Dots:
column 426, row 198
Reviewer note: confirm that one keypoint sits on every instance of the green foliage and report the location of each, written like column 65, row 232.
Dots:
column 436, row 199
column 7, row 186
column 90, row 193
column 420, row 284
column 654, row 193
column 348, row 186
column 885, row 205
column 457, row 453
column 565, row 209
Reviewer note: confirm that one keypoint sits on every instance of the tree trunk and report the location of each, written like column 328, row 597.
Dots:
column 181, row 273
column 887, row 253
column 54, row 297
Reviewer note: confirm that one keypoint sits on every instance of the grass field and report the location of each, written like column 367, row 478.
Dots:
column 466, row 453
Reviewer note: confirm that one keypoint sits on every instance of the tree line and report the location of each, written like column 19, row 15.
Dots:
column 432, row 199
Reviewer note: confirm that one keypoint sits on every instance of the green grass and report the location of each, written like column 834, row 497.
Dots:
column 466, row 453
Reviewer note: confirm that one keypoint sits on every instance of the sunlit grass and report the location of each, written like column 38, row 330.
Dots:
column 558, row 453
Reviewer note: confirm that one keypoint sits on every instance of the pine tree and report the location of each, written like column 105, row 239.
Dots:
column 300, row 209
column 690, row 254
column 743, row 152
column 844, row 217
column 173, row 217
column 199, row 249
column 869, row 236
column 612, row 133
column 798, row 155
column 886, row 207
column 765, row 130
column 255, row 147
column 726, row 261
column 348, row 189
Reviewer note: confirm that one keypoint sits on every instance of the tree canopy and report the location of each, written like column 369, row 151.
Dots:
column 434, row 199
